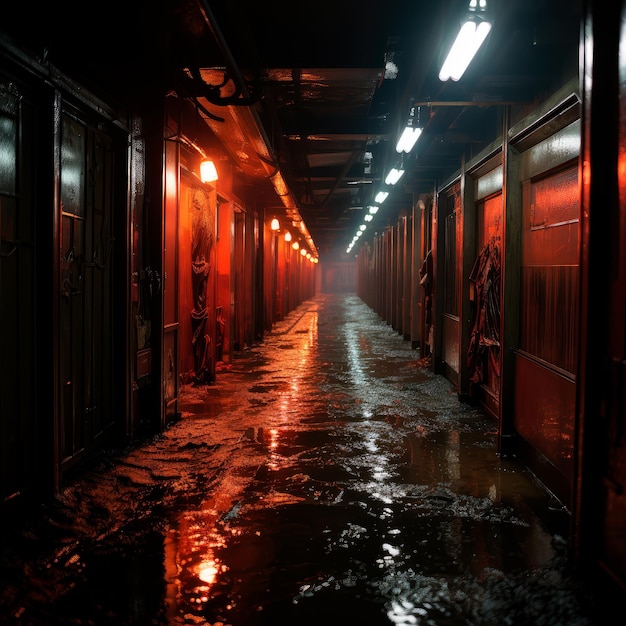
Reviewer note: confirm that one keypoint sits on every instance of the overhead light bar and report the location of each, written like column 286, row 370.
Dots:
column 395, row 174
column 411, row 132
column 471, row 36
column 381, row 196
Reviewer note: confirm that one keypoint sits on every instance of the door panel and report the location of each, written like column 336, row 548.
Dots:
column 484, row 357
column 451, row 287
column 85, row 299
column 238, row 272
column 20, row 436
column 613, row 520
column 549, row 322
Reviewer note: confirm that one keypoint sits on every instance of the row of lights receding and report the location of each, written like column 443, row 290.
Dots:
column 208, row 174
column 275, row 228
column 471, row 36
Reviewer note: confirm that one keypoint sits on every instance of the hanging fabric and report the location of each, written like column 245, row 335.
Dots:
column 484, row 345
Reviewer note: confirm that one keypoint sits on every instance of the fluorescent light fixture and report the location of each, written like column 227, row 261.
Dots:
column 471, row 36
column 395, row 174
column 373, row 209
column 368, row 217
column 381, row 196
column 362, row 227
column 407, row 139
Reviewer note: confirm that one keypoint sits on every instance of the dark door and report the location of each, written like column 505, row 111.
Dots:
column 484, row 356
column 450, row 277
column 85, row 338
column 238, row 273
column 20, row 435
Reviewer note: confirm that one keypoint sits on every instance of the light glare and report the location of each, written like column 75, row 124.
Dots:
column 466, row 45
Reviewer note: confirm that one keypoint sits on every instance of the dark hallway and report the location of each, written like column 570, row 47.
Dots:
column 325, row 478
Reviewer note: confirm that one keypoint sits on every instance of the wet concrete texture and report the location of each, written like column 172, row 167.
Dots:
column 326, row 478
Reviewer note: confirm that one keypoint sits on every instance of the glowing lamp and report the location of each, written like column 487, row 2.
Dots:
column 208, row 173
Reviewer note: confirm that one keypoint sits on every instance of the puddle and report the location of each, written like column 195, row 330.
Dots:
column 325, row 478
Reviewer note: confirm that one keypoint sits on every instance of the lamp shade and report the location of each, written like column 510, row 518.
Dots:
column 208, row 173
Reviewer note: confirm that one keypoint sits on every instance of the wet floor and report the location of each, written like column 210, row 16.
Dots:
column 327, row 478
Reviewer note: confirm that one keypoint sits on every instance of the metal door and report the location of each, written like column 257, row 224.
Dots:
column 238, row 274
column 85, row 338
column 449, row 319
column 484, row 358
column 19, row 433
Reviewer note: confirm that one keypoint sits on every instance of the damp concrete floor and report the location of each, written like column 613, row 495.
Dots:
column 326, row 478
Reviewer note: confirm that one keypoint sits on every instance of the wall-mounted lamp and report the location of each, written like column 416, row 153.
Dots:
column 295, row 245
column 471, row 36
column 411, row 132
column 287, row 236
column 275, row 225
column 208, row 173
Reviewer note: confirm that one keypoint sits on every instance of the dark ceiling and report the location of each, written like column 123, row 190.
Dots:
column 298, row 93
column 331, row 113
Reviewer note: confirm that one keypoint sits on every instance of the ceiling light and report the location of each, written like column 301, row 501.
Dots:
column 471, row 36
column 381, row 196
column 411, row 132
column 408, row 139
column 395, row 174
column 373, row 209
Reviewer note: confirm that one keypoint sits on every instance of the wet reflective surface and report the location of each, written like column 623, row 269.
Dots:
column 326, row 478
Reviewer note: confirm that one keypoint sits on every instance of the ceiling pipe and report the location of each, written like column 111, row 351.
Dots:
column 246, row 117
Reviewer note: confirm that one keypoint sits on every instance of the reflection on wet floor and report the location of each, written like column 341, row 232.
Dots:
column 325, row 479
